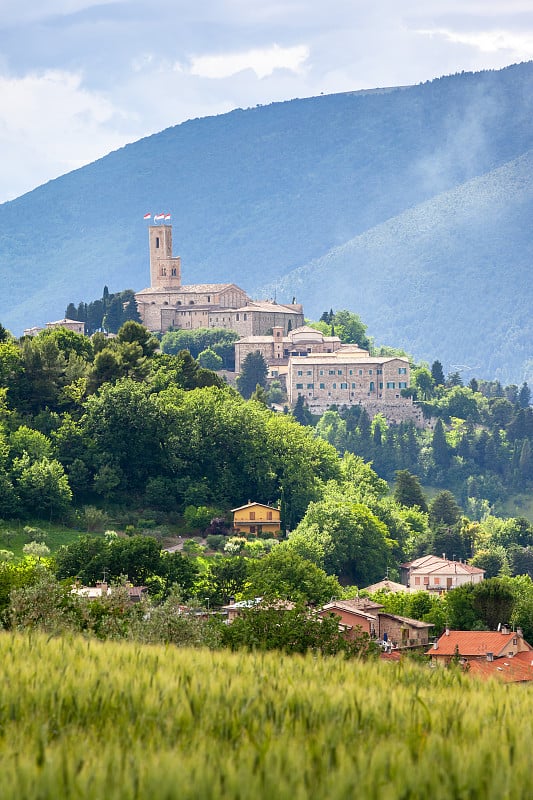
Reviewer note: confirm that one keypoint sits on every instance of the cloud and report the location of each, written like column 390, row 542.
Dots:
column 49, row 125
column 517, row 46
column 263, row 61
column 17, row 13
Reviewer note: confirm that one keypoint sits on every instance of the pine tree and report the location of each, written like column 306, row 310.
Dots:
column 437, row 373
column 524, row 396
column 441, row 449
column 254, row 371
column 408, row 492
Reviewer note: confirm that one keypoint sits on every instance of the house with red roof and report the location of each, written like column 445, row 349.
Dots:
column 479, row 646
column 396, row 631
column 434, row 574
column 518, row 669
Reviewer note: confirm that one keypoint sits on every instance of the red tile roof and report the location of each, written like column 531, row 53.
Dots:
column 474, row 643
column 517, row 669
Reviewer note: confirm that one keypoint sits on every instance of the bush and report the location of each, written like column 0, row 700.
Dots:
column 215, row 541
column 199, row 517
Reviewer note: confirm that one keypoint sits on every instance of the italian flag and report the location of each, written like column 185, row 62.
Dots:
column 147, row 216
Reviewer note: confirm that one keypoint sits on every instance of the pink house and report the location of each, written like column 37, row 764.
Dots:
column 434, row 574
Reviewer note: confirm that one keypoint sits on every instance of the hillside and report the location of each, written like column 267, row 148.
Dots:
column 393, row 275
column 256, row 194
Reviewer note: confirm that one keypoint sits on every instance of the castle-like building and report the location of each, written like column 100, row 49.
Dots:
column 168, row 304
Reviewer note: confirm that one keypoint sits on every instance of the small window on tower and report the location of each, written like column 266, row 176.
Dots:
column 157, row 241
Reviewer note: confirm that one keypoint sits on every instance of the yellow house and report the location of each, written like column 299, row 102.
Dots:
column 256, row 518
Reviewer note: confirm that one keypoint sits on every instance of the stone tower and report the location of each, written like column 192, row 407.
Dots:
column 165, row 271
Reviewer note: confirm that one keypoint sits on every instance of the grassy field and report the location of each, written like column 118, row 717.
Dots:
column 85, row 719
column 13, row 537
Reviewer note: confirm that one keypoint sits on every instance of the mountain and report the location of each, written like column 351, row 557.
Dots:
column 452, row 274
column 257, row 194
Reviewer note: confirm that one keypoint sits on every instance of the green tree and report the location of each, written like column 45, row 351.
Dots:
column 355, row 542
column 443, row 509
column 437, row 373
column 254, row 371
column 493, row 600
column 524, row 396
column 293, row 630
column 441, row 449
column 43, row 487
column 210, row 360
column 350, row 328
column 423, row 382
column 408, row 492
column 283, row 573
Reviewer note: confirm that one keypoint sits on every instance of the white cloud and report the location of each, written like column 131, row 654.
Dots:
column 518, row 46
column 49, row 125
column 263, row 61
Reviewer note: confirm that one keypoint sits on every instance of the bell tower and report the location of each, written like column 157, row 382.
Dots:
column 165, row 271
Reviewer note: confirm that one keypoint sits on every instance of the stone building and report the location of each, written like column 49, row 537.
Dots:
column 70, row 324
column 278, row 347
column 351, row 376
column 169, row 304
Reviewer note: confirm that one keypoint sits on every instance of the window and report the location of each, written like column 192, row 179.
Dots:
column 322, row 385
column 157, row 242
column 173, row 271
column 339, row 372
column 354, row 386
column 391, row 385
column 334, row 386
column 299, row 386
column 437, row 581
column 269, row 514
column 351, row 372
column 380, row 385
column 309, row 371
column 371, row 386
column 252, row 514
column 402, row 385
column 344, row 385
column 402, row 370
column 237, row 317
column 417, row 580
column 379, row 372
column 245, row 316
column 331, row 372
column 426, row 580
column 310, row 385
column 208, row 298
column 299, row 373
column 360, row 372
column 370, row 372
column 321, row 372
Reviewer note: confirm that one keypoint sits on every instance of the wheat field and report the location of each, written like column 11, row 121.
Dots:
column 87, row 719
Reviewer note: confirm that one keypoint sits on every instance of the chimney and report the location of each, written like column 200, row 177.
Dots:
column 436, row 644
column 505, row 630
column 490, row 656
column 447, row 631
column 520, row 633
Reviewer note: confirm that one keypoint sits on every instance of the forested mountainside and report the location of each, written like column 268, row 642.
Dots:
column 257, row 193
column 474, row 313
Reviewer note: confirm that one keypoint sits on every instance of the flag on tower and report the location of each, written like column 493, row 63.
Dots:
column 147, row 216
column 167, row 216
column 157, row 217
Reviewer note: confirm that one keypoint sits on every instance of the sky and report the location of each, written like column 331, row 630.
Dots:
column 79, row 78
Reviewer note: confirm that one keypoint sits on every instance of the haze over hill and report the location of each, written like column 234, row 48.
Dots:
column 420, row 196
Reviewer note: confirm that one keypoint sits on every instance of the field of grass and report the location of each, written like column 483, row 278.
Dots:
column 13, row 537
column 86, row 719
